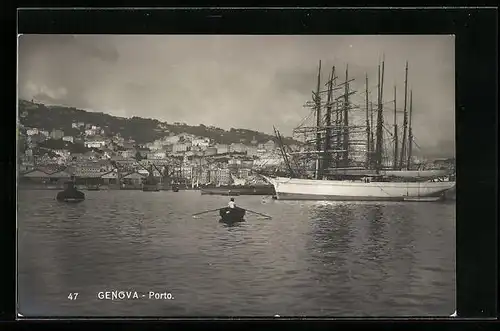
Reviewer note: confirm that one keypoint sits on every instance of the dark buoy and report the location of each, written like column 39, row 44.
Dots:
column 70, row 193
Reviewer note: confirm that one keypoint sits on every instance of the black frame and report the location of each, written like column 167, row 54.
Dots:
column 476, row 120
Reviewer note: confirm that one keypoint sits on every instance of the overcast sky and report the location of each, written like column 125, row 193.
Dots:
column 251, row 82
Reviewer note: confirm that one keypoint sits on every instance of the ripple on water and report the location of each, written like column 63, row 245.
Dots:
column 311, row 258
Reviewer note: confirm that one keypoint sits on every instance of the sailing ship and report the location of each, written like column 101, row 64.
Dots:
column 345, row 157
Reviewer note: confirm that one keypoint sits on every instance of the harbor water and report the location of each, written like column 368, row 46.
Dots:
column 337, row 259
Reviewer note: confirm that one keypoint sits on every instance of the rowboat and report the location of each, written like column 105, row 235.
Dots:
column 71, row 199
column 70, row 194
column 232, row 215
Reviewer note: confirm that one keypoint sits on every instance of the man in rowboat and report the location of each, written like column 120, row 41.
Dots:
column 231, row 203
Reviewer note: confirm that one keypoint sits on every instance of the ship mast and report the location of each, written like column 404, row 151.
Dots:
column 338, row 121
column 380, row 121
column 345, row 138
column 405, row 122
column 368, row 154
column 395, row 160
column 372, row 140
column 283, row 152
column 327, row 148
column 410, row 136
column 317, row 99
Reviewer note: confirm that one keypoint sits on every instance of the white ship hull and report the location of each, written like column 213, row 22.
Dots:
column 310, row 189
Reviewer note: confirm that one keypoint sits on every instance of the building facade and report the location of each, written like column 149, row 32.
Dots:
column 94, row 143
column 57, row 134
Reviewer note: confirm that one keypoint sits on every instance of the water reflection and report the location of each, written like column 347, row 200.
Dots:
column 367, row 254
column 323, row 259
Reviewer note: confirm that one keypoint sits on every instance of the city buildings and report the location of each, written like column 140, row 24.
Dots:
column 68, row 138
column 56, row 134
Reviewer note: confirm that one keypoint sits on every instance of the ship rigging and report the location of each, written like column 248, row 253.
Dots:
column 349, row 153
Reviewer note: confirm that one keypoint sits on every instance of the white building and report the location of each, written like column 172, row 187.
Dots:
column 181, row 147
column 90, row 132
column 128, row 153
column 45, row 133
column 202, row 142
column 238, row 148
column 68, row 138
column 222, row 148
column 32, row 131
column 187, row 171
column 57, row 134
column 156, row 155
column 211, row 151
column 94, row 143
column 171, row 140
column 252, row 151
column 261, row 152
column 269, row 145
column 62, row 152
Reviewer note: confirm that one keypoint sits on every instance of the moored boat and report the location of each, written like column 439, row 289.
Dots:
column 345, row 155
column 312, row 189
column 91, row 187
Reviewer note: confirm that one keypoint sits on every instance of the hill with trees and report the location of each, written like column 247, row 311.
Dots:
column 142, row 130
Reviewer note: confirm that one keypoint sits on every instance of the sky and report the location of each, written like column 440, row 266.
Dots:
column 240, row 81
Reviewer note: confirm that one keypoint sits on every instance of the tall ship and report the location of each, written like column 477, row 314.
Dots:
column 351, row 153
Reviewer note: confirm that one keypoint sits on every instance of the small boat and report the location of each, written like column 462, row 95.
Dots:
column 232, row 215
column 91, row 187
column 70, row 194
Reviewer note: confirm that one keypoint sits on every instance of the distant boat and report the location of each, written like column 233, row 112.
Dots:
column 232, row 215
column 92, row 187
column 70, row 194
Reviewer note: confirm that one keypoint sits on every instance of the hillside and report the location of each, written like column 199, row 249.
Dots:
column 142, row 130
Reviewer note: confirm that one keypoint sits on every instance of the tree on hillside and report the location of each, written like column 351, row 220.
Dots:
column 142, row 130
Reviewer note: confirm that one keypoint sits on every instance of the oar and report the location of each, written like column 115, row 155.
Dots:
column 206, row 211
column 251, row 211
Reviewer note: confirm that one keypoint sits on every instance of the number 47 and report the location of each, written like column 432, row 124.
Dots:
column 73, row 296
